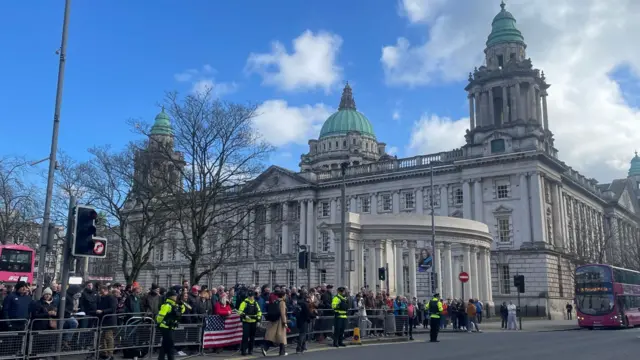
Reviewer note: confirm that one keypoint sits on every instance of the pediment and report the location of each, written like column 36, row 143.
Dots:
column 276, row 178
column 627, row 201
column 501, row 209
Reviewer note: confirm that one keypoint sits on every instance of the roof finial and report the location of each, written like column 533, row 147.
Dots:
column 162, row 109
column 502, row 4
column 636, row 152
column 346, row 101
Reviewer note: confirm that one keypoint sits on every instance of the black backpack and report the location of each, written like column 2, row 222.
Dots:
column 273, row 311
column 433, row 307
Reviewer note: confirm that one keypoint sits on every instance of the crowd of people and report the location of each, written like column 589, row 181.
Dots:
column 314, row 310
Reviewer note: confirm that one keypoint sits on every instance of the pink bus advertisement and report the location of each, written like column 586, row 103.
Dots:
column 16, row 263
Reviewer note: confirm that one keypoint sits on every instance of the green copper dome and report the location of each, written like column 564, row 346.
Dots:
column 503, row 28
column 634, row 170
column 347, row 118
column 162, row 124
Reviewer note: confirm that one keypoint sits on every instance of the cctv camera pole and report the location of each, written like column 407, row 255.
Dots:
column 52, row 156
column 66, row 259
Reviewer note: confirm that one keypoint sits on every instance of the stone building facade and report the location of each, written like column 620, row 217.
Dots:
column 543, row 216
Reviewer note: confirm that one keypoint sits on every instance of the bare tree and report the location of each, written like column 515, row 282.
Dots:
column 215, row 152
column 111, row 179
column 19, row 207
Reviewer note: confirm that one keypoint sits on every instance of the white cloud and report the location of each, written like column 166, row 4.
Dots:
column 282, row 124
column 393, row 150
column 576, row 42
column 203, row 80
column 432, row 134
column 419, row 10
column 311, row 65
column 396, row 115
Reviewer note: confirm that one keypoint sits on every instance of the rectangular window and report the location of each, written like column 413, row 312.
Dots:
column 387, row 202
column 427, row 197
column 408, row 200
column 223, row 279
column 458, row 196
column 324, row 242
column 560, row 281
column 255, row 278
column 277, row 246
column 322, row 276
column 291, row 278
column 505, row 279
column 325, row 209
column 272, row 278
column 365, row 204
column 160, row 252
column 296, row 212
column 502, row 189
column 174, row 251
column 504, row 229
column 168, row 284
column 405, row 280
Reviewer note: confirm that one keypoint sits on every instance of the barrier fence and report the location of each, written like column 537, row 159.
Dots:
column 136, row 335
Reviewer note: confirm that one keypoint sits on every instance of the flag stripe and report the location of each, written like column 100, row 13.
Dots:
column 220, row 332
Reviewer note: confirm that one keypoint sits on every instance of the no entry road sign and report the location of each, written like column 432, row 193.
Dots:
column 463, row 277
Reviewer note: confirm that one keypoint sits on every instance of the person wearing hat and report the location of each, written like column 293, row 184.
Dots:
column 435, row 309
column 249, row 311
column 168, row 319
column 16, row 306
column 340, row 306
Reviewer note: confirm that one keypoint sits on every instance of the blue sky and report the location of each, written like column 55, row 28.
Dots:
column 123, row 55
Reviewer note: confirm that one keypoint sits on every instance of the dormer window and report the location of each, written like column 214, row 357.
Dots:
column 497, row 146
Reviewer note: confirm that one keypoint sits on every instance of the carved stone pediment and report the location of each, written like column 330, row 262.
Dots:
column 502, row 210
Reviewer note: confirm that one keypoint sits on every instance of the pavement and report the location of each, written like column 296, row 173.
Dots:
column 531, row 345
column 527, row 325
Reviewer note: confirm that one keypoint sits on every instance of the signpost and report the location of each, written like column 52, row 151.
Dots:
column 463, row 277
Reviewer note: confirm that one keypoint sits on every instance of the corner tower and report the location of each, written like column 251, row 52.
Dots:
column 507, row 96
column 346, row 136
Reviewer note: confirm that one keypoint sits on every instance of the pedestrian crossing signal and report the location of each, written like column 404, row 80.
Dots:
column 381, row 274
column 303, row 260
column 518, row 282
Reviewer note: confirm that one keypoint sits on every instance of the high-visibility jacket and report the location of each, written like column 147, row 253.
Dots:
column 249, row 311
column 340, row 305
column 169, row 315
column 435, row 308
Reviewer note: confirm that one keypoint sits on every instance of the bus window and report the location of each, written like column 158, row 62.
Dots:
column 15, row 260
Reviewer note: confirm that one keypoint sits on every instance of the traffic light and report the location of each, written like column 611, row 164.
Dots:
column 303, row 260
column 85, row 241
column 381, row 274
column 518, row 282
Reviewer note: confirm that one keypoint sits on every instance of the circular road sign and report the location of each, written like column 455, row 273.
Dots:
column 463, row 277
column 98, row 248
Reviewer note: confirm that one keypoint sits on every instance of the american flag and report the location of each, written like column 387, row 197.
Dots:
column 220, row 332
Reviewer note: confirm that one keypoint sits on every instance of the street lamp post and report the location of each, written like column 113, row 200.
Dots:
column 343, row 223
column 52, row 157
column 433, row 230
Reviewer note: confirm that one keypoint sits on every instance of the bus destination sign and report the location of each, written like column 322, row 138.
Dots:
column 594, row 288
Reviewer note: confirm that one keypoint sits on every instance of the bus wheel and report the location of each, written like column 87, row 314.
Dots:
column 590, row 328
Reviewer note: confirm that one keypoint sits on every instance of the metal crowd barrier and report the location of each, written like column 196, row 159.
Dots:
column 135, row 334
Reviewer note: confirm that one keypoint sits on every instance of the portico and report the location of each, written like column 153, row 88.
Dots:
column 402, row 242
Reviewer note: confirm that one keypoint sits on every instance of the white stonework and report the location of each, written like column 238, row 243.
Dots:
column 543, row 217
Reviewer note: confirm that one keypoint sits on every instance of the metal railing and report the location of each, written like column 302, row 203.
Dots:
column 136, row 335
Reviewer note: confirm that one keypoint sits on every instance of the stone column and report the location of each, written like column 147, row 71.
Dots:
column 482, row 276
column 505, row 105
column 413, row 286
column 303, row 223
column 492, row 113
column 537, row 211
column 537, row 102
column 397, row 248
column 419, row 201
column 268, row 236
column 518, row 106
column 339, row 265
column 474, row 275
column 478, row 214
column 372, row 268
column 478, row 105
column 532, row 102
column 285, row 228
column 352, row 204
column 438, row 269
column 444, row 200
column 379, row 263
column 487, row 261
column 374, row 203
column 471, row 113
column 466, row 260
column 466, row 200
column 545, row 115
column 447, row 287
column 252, row 233
column 524, row 211
column 558, row 240
column 311, row 228
column 395, row 201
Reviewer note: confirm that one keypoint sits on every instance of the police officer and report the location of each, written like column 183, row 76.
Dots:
column 250, row 314
column 340, row 305
column 435, row 309
column 168, row 319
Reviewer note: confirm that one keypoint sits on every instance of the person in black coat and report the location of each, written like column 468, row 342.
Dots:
column 106, row 312
column 16, row 306
column 304, row 315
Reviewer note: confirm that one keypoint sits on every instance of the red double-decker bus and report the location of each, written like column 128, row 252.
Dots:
column 607, row 296
column 16, row 263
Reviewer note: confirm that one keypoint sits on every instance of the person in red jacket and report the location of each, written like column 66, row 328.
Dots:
column 222, row 307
